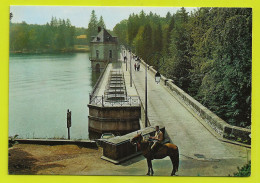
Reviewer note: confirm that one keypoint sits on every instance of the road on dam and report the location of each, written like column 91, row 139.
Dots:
column 201, row 153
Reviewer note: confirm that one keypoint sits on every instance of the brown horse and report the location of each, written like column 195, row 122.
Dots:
column 168, row 149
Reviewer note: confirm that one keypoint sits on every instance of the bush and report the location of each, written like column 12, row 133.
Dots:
column 12, row 141
column 245, row 171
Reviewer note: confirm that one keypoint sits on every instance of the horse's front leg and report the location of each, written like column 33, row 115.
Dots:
column 151, row 167
column 148, row 164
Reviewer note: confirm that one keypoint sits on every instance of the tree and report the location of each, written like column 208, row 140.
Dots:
column 168, row 17
column 231, row 73
column 207, row 53
column 168, row 34
column 92, row 26
column 147, row 41
column 58, row 35
column 121, row 31
column 101, row 22
column 203, row 44
column 158, row 39
column 180, row 49
column 138, row 42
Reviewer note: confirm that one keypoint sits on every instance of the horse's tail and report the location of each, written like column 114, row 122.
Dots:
column 174, row 155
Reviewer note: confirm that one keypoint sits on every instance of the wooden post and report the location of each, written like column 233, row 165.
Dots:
column 146, row 106
column 68, row 122
column 69, row 133
column 131, row 68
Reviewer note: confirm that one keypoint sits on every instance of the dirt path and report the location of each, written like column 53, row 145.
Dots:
column 60, row 159
column 74, row 160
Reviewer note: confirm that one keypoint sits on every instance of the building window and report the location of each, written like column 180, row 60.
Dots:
column 110, row 53
column 97, row 54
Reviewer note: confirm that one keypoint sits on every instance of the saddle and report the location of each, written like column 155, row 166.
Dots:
column 156, row 148
column 159, row 146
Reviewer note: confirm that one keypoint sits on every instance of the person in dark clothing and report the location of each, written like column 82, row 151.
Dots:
column 138, row 67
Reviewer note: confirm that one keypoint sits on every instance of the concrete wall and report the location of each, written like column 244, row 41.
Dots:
column 120, row 147
column 225, row 130
column 116, row 152
column 82, row 143
column 123, row 119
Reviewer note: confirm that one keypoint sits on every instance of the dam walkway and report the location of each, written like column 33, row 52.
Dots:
column 194, row 137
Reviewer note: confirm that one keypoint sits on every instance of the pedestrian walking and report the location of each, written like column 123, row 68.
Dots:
column 138, row 67
column 135, row 66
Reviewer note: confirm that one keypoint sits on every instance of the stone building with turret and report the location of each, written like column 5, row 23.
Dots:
column 103, row 49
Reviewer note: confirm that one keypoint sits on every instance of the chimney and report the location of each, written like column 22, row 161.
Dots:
column 99, row 29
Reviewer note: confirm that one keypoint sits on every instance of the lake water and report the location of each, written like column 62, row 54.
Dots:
column 41, row 89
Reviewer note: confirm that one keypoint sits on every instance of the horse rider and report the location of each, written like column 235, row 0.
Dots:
column 156, row 139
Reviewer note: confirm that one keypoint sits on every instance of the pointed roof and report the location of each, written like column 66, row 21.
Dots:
column 104, row 37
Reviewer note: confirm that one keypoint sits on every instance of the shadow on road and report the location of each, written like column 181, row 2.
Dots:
column 133, row 161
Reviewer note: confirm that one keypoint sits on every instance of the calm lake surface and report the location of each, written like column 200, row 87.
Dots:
column 41, row 89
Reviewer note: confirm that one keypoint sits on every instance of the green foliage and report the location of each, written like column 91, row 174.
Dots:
column 92, row 26
column 80, row 31
column 101, row 22
column 245, row 171
column 208, row 53
column 121, row 31
column 180, row 51
column 58, row 35
column 226, row 85
column 12, row 141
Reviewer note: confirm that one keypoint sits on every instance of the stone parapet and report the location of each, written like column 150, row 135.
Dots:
column 233, row 133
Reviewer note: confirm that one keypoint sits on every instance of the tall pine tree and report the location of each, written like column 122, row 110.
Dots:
column 101, row 22
column 92, row 26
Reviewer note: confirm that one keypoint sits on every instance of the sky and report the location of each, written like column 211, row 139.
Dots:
column 80, row 15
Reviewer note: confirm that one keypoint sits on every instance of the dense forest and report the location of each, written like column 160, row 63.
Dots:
column 207, row 53
column 56, row 35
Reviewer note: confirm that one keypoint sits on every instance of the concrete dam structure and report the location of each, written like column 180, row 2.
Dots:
column 200, row 135
column 113, row 107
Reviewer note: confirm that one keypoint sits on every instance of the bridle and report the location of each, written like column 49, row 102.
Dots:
column 136, row 140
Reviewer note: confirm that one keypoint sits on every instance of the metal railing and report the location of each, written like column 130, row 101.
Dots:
column 128, row 101
column 97, row 83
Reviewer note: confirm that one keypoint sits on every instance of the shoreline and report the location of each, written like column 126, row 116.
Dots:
column 48, row 52
column 75, row 49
